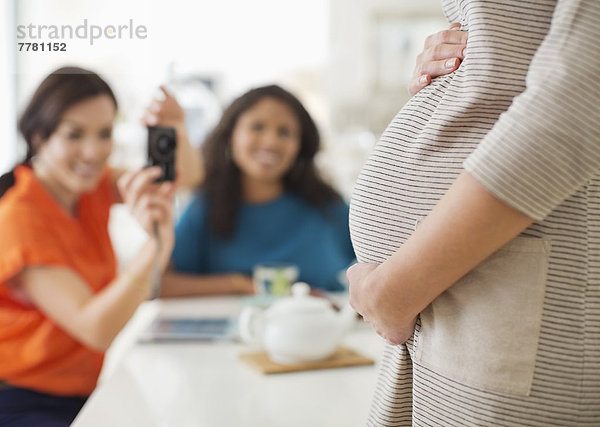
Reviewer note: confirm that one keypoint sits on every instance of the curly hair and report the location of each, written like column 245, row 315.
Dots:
column 222, row 186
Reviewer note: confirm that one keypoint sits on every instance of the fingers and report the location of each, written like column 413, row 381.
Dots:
column 167, row 189
column 429, row 70
column 152, row 113
column 450, row 36
column 149, row 118
column 155, row 206
column 133, row 184
column 166, row 192
column 442, row 54
column 147, row 201
column 164, row 110
column 418, row 83
column 166, row 93
column 150, row 202
column 124, row 184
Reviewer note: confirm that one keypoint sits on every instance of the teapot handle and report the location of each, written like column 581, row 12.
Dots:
column 251, row 325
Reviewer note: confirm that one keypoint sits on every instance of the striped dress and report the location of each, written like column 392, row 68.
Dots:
column 517, row 340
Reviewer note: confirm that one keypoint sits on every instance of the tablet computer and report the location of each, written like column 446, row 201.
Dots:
column 190, row 329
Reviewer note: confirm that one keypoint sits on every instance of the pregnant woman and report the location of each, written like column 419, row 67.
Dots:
column 476, row 224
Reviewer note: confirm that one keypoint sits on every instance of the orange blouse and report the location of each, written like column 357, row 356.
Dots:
column 34, row 230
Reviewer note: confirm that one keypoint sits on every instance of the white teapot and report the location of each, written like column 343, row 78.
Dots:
column 297, row 329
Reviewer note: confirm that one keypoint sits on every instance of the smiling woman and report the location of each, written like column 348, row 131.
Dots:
column 61, row 302
column 72, row 160
column 264, row 146
column 262, row 201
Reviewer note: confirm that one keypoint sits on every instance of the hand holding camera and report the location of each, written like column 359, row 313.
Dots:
column 165, row 111
column 150, row 203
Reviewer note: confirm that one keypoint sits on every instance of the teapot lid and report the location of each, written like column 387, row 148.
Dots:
column 301, row 301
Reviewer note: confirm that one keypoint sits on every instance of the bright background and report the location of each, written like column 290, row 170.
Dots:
column 349, row 61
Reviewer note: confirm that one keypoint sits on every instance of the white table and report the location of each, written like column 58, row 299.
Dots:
column 205, row 384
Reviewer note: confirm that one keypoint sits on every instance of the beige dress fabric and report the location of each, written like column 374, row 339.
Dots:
column 517, row 340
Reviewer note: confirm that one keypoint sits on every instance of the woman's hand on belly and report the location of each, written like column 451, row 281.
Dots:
column 442, row 54
column 466, row 226
column 369, row 299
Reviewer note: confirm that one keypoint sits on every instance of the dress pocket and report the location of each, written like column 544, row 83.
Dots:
column 483, row 331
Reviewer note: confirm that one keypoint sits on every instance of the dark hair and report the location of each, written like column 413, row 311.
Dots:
column 58, row 92
column 222, row 185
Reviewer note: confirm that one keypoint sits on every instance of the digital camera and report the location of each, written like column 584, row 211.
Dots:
column 162, row 144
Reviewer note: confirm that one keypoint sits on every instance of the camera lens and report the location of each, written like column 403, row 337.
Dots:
column 164, row 144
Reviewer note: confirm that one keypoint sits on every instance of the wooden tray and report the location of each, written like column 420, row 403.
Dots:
column 343, row 357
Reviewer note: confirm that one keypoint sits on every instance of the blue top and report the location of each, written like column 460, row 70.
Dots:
column 286, row 229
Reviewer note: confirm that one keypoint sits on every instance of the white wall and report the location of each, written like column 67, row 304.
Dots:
column 373, row 47
column 238, row 43
column 241, row 42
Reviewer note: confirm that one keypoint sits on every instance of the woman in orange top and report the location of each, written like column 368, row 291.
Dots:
column 61, row 302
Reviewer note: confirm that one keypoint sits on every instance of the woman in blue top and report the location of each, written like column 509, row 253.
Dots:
column 262, row 201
